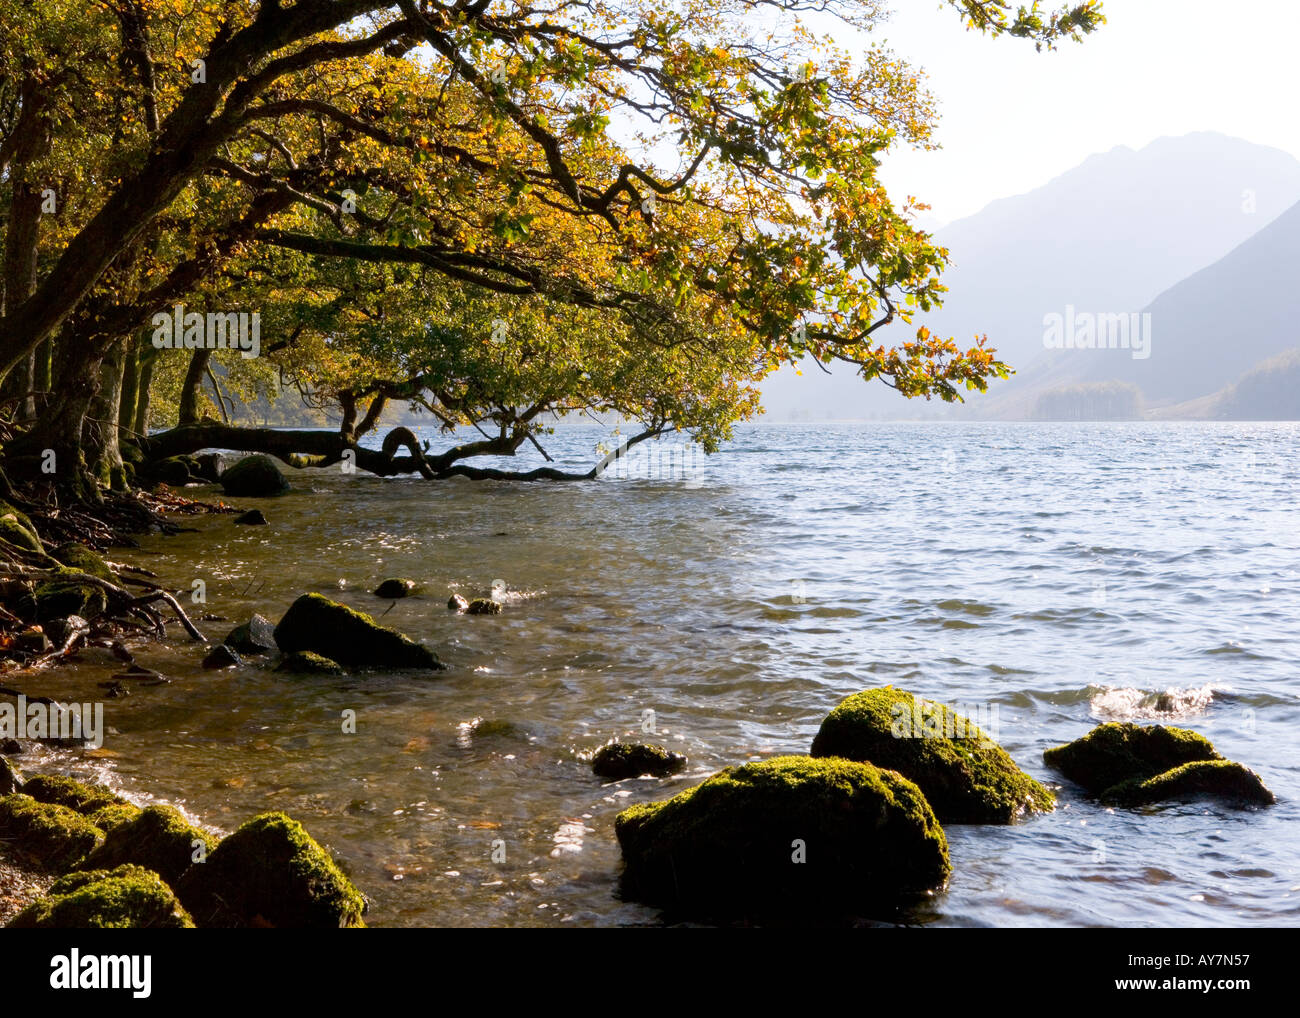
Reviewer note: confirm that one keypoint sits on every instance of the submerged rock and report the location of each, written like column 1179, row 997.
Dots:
column 158, row 838
column 256, row 636
column 1119, row 752
column 252, row 518
column 621, row 760
column 254, row 477
column 393, row 589
column 483, row 606
column 457, row 603
column 789, row 836
column 1224, row 780
column 128, row 897
column 53, row 837
column 349, row 637
column 221, row 656
column 305, row 662
column 966, row 776
column 271, row 873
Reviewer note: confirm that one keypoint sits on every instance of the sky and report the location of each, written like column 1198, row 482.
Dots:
column 1012, row 119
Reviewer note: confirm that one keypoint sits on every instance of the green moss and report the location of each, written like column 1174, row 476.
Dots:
column 966, row 776
column 111, row 817
column 1216, row 779
column 16, row 529
column 306, row 662
column 53, row 837
column 728, row 847
column 159, row 838
column 128, row 897
column 61, row 791
column 620, row 760
column 78, row 556
column 483, row 606
column 333, row 630
column 58, row 598
column 271, row 872
column 1114, row 753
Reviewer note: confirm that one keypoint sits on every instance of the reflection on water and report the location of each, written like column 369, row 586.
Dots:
column 1061, row 575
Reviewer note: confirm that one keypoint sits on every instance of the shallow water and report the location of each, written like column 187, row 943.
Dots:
column 1048, row 576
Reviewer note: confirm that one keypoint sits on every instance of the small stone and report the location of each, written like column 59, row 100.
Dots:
column 392, row 589
column 621, row 760
column 222, row 656
column 32, row 641
column 256, row 636
column 254, row 518
column 457, row 603
column 483, row 606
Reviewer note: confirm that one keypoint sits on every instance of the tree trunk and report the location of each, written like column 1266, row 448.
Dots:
column 103, row 454
column 130, row 383
column 148, row 355
column 192, row 387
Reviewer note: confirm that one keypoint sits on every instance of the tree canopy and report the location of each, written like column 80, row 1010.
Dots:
column 492, row 211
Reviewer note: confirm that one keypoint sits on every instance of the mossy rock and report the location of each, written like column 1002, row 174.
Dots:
column 53, row 837
column 159, row 838
column 483, row 606
column 17, row 529
column 173, row 471
column 130, row 453
column 254, row 477
column 620, row 760
column 87, row 560
column 11, row 778
column 966, row 776
column 349, row 637
column 392, row 589
column 1224, row 780
column 76, row 795
column 58, row 598
column 306, row 662
column 728, row 848
column 128, row 897
column 1118, row 752
column 271, row 873
column 109, row 818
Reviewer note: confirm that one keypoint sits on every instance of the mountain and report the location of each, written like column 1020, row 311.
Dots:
column 1106, row 237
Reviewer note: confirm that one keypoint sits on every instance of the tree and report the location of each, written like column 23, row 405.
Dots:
column 661, row 204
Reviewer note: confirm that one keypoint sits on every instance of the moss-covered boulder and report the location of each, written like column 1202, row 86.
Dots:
column 42, row 834
column 1115, row 753
column 108, row 818
column 76, row 795
column 128, row 897
column 11, row 778
column 306, row 662
column 483, row 606
column 349, row 637
column 61, row 596
column 789, row 836
column 966, row 776
column 87, row 560
column 159, row 838
column 254, row 477
column 394, row 588
column 174, row 471
column 1223, row 780
column 271, row 873
column 620, row 760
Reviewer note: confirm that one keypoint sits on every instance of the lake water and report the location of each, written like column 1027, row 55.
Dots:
column 1050, row 576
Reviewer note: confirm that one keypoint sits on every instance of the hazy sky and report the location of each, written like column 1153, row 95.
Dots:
column 1012, row 118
